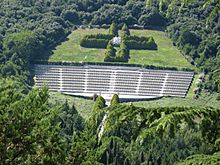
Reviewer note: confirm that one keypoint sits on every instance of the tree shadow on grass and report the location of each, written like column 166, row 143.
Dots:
column 46, row 53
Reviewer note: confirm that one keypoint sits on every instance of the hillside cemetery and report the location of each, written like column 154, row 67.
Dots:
column 130, row 83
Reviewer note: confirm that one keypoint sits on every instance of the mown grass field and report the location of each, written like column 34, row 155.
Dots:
column 166, row 55
column 83, row 106
column 70, row 50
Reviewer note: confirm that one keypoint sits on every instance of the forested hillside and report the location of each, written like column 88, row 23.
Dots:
column 34, row 131
column 39, row 25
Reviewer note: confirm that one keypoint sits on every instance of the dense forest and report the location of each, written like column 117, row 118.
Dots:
column 32, row 131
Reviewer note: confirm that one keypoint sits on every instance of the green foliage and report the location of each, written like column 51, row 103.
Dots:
column 125, row 30
column 135, row 42
column 94, row 43
column 202, row 159
column 99, row 103
column 165, row 139
column 95, row 40
column 123, row 53
column 195, row 38
column 152, row 18
column 113, row 30
column 110, row 53
column 9, row 69
column 114, row 100
column 71, row 122
column 28, row 131
column 70, row 15
column 31, row 132
column 21, row 46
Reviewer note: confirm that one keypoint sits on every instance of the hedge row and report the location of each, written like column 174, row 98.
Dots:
column 138, row 66
column 94, row 43
column 99, row 36
column 134, row 42
column 95, row 40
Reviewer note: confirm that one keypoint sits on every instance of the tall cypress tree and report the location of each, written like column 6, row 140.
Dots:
column 113, row 30
column 125, row 30
column 110, row 53
column 114, row 100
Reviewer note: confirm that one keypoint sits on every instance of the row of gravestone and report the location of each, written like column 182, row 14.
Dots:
column 125, row 42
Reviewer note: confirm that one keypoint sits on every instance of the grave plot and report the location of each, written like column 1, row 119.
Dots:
column 129, row 83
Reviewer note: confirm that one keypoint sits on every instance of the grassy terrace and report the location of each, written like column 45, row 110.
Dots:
column 166, row 55
column 85, row 106
column 205, row 100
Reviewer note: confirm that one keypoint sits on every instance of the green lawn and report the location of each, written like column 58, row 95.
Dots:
column 83, row 106
column 166, row 55
column 70, row 50
column 204, row 100
column 190, row 93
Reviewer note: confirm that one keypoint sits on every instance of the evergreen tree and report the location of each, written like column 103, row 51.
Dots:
column 29, row 133
column 71, row 122
column 99, row 103
column 73, row 109
column 125, row 30
column 113, row 30
column 114, row 100
column 110, row 53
